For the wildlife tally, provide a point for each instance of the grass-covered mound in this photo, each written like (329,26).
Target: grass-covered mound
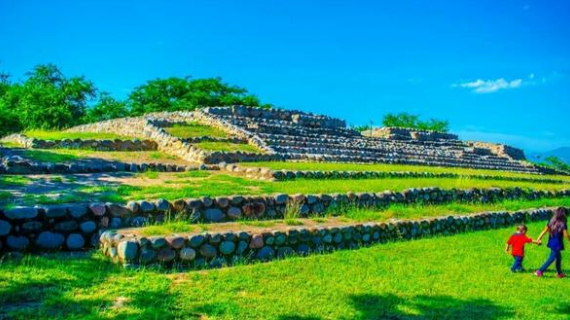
(460,277)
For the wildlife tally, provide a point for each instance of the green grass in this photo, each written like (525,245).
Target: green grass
(169,187)
(227,147)
(194,129)
(460,277)
(68,155)
(59,135)
(14,180)
(331,166)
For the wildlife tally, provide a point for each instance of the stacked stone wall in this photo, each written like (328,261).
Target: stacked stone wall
(396,133)
(65,227)
(227,248)
(501,150)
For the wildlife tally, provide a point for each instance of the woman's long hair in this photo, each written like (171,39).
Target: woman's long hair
(558,221)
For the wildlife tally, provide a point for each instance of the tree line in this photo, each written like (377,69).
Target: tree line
(48,99)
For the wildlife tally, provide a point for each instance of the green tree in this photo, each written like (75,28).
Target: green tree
(106,108)
(49,100)
(9,119)
(173,94)
(406,120)
(556,163)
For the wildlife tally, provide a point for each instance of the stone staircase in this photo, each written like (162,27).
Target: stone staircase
(295,135)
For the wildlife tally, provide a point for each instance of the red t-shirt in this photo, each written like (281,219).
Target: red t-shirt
(517,241)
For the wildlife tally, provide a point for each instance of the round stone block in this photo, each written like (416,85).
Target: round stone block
(75,241)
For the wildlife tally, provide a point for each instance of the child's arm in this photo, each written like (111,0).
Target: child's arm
(507,248)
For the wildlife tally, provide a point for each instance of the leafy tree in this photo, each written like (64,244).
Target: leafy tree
(9,119)
(49,100)
(173,94)
(556,163)
(106,108)
(406,120)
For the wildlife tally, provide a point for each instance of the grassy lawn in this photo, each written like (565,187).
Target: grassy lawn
(59,135)
(195,129)
(67,155)
(330,166)
(172,186)
(460,277)
(227,147)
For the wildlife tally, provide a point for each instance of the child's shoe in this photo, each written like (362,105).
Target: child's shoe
(538,273)
(561,275)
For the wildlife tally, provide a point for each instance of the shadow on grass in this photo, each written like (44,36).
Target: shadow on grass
(425,307)
(62,286)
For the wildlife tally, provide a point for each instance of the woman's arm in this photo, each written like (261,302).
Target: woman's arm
(544,231)
(566,235)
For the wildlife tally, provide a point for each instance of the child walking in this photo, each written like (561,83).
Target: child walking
(558,229)
(517,242)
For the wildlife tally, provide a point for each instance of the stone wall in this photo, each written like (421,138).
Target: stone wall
(92,144)
(297,117)
(396,133)
(74,226)
(501,150)
(19,165)
(288,175)
(222,249)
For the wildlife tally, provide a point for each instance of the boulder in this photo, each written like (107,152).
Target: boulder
(227,247)
(98,209)
(127,250)
(50,240)
(265,254)
(208,251)
(56,211)
(214,215)
(88,227)
(77,210)
(75,241)
(17,242)
(187,254)
(5,228)
(21,213)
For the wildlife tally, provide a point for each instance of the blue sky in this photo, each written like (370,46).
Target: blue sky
(497,70)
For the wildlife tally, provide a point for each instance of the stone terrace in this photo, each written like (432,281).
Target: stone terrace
(294,135)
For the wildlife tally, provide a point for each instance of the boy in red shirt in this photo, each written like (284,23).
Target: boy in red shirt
(517,242)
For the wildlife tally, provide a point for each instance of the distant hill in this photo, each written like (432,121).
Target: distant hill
(562,153)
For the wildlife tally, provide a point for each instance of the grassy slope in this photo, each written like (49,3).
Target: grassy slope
(329,166)
(67,155)
(59,135)
(227,147)
(194,129)
(174,186)
(460,277)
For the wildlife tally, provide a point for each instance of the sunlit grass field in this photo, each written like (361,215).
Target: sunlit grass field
(60,135)
(458,277)
(194,129)
(172,186)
